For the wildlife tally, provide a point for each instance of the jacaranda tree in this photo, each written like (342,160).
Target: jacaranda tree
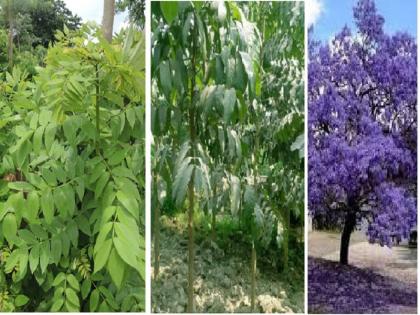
(362,130)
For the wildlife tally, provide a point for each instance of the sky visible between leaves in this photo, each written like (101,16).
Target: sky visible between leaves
(329,16)
(91,10)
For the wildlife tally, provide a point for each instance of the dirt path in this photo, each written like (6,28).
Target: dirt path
(397,265)
(399,261)
(324,243)
(222,280)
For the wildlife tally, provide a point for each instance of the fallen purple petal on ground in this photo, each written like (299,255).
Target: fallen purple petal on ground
(335,288)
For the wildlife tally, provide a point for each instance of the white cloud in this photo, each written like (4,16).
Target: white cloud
(313,11)
(92,11)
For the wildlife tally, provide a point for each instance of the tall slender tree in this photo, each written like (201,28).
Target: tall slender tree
(10,19)
(108,19)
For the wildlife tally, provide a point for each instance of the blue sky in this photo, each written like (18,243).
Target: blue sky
(91,10)
(329,16)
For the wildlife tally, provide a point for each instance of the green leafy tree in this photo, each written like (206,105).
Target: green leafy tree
(47,17)
(30,24)
(228,118)
(71,201)
(282,95)
(11,11)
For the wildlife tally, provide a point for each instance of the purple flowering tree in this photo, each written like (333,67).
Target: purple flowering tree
(362,130)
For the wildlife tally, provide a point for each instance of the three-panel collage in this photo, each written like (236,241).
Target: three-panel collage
(208,156)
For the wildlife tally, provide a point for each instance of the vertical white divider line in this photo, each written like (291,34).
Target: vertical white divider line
(417,109)
(148,136)
(306,212)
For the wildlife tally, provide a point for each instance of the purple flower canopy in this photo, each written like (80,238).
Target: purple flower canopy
(363,127)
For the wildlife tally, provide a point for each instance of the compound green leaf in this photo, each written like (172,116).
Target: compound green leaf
(44,256)
(34,258)
(37,140)
(21,300)
(94,300)
(100,184)
(71,296)
(59,279)
(126,252)
(169,10)
(57,305)
(32,207)
(21,186)
(86,286)
(55,249)
(71,279)
(129,202)
(165,78)
(182,178)
(101,256)
(116,268)
(47,205)
(10,227)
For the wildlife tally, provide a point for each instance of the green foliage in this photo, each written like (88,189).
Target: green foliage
(232,72)
(227,120)
(72,165)
(135,9)
(48,16)
(33,24)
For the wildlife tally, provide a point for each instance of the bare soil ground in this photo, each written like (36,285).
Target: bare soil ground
(222,279)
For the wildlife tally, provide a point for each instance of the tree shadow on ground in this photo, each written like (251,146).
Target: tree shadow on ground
(334,288)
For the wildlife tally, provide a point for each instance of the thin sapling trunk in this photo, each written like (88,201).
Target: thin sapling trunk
(156,229)
(253,275)
(190,305)
(191,121)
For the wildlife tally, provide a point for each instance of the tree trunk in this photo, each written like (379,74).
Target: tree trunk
(97,111)
(286,240)
(156,230)
(108,19)
(190,305)
(253,271)
(193,133)
(349,225)
(10,36)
